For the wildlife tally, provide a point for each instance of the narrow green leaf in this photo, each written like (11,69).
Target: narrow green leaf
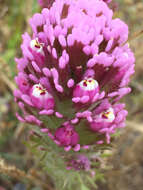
(83,187)
(92,181)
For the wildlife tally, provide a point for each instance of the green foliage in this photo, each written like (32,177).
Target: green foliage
(13,24)
(51,159)
(83,187)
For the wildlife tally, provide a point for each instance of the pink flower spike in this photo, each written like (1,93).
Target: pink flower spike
(75,67)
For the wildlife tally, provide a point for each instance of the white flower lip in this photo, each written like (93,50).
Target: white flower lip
(39,92)
(36,45)
(108,115)
(88,84)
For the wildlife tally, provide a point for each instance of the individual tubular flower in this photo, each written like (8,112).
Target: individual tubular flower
(74,70)
(41,98)
(80,162)
(85,91)
(67,136)
(107,118)
(22,82)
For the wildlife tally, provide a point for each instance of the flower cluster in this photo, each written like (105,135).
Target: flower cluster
(74,70)
(80,162)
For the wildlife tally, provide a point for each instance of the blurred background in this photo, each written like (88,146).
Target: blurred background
(18,169)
